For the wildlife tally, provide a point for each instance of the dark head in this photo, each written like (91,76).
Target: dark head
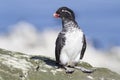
(64,13)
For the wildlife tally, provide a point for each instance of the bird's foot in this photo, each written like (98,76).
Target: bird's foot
(58,66)
(69,70)
(85,70)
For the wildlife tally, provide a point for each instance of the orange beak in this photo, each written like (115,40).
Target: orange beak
(56,15)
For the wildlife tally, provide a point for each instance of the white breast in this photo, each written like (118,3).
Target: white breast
(71,51)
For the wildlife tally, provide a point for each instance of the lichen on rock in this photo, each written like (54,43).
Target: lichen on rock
(18,66)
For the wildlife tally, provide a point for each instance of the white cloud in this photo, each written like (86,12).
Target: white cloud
(23,37)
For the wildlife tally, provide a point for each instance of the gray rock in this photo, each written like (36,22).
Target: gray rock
(18,66)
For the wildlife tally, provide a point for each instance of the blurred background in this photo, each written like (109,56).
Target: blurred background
(28,26)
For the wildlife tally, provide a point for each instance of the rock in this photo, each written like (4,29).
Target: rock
(19,66)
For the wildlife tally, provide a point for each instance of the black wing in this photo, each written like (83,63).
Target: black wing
(83,47)
(60,42)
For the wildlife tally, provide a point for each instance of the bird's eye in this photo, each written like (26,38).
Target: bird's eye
(63,10)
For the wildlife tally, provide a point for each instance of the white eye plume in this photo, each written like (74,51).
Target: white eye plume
(66,11)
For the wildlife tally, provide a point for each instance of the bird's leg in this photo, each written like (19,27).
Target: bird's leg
(85,70)
(69,69)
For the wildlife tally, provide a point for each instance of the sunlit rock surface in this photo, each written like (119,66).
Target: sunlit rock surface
(18,66)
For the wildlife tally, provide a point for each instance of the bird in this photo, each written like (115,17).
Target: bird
(70,44)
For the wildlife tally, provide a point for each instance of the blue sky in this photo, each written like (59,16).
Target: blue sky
(99,19)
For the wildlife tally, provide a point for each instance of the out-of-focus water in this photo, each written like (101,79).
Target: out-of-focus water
(100,20)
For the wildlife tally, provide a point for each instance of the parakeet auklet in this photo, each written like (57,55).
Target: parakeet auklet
(71,41)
